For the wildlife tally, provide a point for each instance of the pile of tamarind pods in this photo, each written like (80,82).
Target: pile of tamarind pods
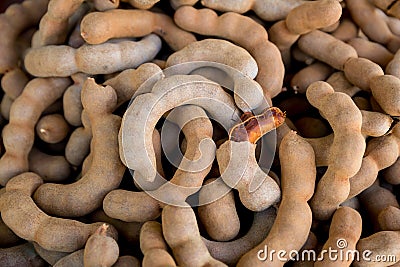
(290,139)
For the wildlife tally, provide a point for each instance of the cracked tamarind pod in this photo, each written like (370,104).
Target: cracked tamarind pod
(143,206)
(346,152)
(91,59)
(96,27)
(153,246)
(182,234)
(16,19)
(238,165)
(235,27)
(344,233)
(106,169)
(18,134)
(294,218)
(51,233)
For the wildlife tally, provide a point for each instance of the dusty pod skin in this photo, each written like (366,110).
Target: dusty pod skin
(220,217)
(389,219)
(153,246)
(78,145)
(231,251)
(355,68)
(18,134)
(14,21)
(95,27)
(326,48)
(196,164)
(182,234)
(373,51)
(72,104)
(106,170)
(386,91)
(269,10)
(317,71)
(375,200)
(363,12)
(100,249)
(51,233)
(91,59)
(313,15)
(235,27)
(56,169)
(380,243)
(346,152)
(345,226)
(138,155)
(294,218)
(52,128)
(22,255)
(12,83)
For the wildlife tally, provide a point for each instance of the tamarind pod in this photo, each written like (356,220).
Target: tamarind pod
(317,71)
(373,51)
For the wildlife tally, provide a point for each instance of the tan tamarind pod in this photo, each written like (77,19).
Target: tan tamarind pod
(374,200)
(373,51)
(317,71)
(298,180)
(14,21)
(56,169)
(128,81)
(380,243)
(392,173)
(345,156)
(78,145)
(13,82)
(21,255)
(344,233)
(231,251)
(269,10)
(153,246)
(347,30)
(72,104)
(355,68)
(234,27)
(52,128)
(95,27)
(51,233)
(100,249)
(18,135)
(374,161)
(91,59)
(182,234)
(326,48)
(375,124)
(73,259)
(340,83)
(386,91)
(313,15)
(106,170)
(389,219)
(220,217)
(363,12)
(50,256)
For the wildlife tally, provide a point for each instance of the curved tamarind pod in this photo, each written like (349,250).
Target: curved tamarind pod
(167,94)
(95,27)
(326,48)
(13,22)
(34,225)
(182,234)
(56,169)
(346,225)
(345,156)
(153,246)
(196,164)
(293,221)
(18,135)
(235,28)
(106,169)
(91,59)
(231,251)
